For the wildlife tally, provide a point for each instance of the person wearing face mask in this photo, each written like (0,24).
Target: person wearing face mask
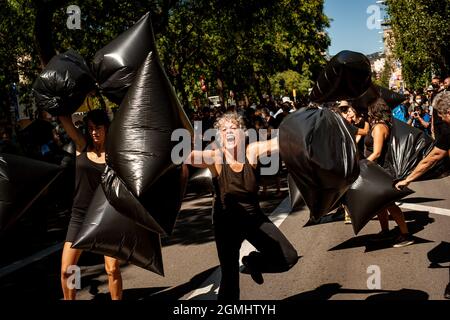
(446,86)
(236,212)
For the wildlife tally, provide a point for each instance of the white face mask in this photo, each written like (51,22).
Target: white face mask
(418,101)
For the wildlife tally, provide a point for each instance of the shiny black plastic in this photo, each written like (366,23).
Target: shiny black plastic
(107,232)
(157,208)
(392,98)
(294,195)
(201,180)
(116,64)
(321,155)
(63,85)
(407,147)
(372,192)
(139,142)
(346,76)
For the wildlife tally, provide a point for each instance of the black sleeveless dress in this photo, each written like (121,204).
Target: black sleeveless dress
(368,145)
(237,216)
(87,179)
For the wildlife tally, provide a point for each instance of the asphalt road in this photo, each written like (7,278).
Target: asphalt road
(334,263)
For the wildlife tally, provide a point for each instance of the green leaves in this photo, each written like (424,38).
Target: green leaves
(240,44)
(422,38)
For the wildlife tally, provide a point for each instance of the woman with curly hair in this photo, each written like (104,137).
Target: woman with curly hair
(236,212)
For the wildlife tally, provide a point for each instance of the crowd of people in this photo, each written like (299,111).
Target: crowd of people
(371,130)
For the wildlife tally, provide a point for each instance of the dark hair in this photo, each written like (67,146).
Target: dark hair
(379,111)
(98,117)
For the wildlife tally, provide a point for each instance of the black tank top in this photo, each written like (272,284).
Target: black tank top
(233,188)
(368,144)
(87,179)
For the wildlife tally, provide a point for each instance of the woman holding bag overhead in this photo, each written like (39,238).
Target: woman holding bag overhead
(90,164)
(376,146)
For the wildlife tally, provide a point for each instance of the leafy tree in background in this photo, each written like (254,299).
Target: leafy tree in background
(422,38)
(236,45)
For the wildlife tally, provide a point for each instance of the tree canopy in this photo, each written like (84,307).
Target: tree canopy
(422,38)
(235,45)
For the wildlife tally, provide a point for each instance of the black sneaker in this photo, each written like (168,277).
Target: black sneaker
(447,292)
(403,240)
(255,274)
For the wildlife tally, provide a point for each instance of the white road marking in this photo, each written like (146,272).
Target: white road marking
(419,207)
(209,288)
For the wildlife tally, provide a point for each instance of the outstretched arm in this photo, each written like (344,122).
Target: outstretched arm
(76,136)
(201,159)
(429,161)
(261,148)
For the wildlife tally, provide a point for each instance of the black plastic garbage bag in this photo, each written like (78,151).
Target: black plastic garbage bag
(22,181)
(294,194)
(392,98)
(407,147)
(139,142)
(63,85)
(158,208)
(116,64)
(201,181)
(107,232)
(321,156)
(346,76)
(372,192)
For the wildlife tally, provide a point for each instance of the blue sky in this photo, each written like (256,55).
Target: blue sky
(349,29)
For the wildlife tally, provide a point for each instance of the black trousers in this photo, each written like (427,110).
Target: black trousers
(241,222)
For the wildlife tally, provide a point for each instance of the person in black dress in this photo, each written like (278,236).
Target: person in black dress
(90,164)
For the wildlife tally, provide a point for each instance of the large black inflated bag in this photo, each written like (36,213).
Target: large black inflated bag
(126,203)
(158,207)
(372,192)
(107,232)
(139,140)
(346,76)
(392,98)
(21,181)
(116,64)
(407,147)
(63,85)
(294,195)
(201,181)
(321,156)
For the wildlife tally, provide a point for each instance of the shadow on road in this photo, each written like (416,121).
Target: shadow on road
(327,291)
(416,221)
(420,200)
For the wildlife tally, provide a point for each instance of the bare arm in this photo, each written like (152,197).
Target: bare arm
(76,136)
(379,134)
(201,159)
(423,122)
(429,161)
(261,148)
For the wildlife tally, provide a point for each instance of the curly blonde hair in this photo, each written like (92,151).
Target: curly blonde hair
(230,117)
